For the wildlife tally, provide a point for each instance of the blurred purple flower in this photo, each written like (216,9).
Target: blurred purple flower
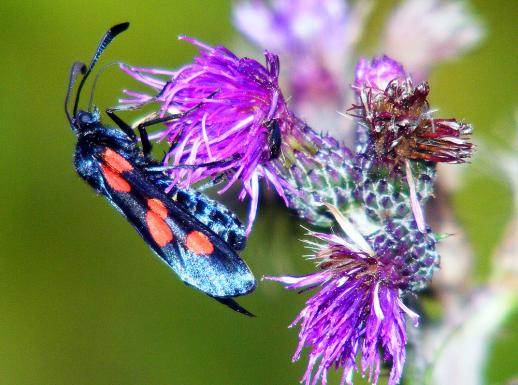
(237,99)
(310,33)
(377,73)
(422,33)
(295,27)
(314,39)
(358,309)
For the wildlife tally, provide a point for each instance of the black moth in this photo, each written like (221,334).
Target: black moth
(196,236)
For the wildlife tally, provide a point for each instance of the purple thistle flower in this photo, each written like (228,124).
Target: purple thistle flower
(237,100)
(231,103)
(358,309)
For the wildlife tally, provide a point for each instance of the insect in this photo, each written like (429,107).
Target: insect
(274,138)
(196,236)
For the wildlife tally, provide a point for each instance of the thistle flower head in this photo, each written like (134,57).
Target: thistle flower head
(398,122)
(232,103)
(358,309)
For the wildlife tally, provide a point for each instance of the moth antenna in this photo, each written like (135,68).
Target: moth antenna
(77,68)
(94,85)
(107,38)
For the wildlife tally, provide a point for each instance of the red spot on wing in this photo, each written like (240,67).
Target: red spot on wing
(199,243)
(158,207)
(158,228)
(116,161)
(115,180)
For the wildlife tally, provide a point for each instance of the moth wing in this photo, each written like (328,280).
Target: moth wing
(201,258)
(222,273)
(210,212)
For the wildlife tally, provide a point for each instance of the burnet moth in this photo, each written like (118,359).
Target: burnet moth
(196,236)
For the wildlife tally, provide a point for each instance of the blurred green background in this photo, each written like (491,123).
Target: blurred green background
(82,298)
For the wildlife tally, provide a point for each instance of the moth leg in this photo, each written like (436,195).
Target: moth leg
(222,162)
(169,117)
(141,127)
(128,130)
(150,120)
(213,182)
(121,123)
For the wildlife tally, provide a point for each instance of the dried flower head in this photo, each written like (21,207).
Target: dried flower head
(238,102)
(358,309)
(398,121)
(396,127)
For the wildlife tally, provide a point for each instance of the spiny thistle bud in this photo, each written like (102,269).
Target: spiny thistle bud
(321,175)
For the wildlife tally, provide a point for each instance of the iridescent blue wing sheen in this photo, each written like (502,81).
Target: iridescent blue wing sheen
(219,273)
(210,212)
